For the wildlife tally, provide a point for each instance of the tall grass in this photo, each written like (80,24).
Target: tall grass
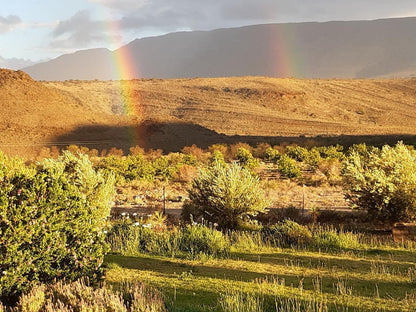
(195,240)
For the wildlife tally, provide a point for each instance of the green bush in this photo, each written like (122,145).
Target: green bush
(51,222)
(383,182)
(138,168)
(272,155)
(216,158)
(288,167)
(313,158)
(297,153)
(114,165)
(331,239)
(246,159)
(335,152)
(198,239)
(226,195)
(164,169)
(287,233)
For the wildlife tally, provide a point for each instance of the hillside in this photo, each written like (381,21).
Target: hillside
(171,114)
(33,114)
(203,111)
(350,49)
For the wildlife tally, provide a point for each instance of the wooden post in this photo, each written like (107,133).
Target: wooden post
(303,200)
(164,199)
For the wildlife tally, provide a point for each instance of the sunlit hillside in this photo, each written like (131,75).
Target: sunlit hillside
(170,114)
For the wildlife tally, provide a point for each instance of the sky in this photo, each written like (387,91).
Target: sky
(43,29)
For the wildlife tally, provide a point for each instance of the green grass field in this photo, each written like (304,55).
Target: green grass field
(278,280)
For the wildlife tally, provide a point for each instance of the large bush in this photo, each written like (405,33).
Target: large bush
(51,222)
(226,195)
(383,181)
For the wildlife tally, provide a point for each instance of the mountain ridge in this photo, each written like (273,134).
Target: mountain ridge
(335,49)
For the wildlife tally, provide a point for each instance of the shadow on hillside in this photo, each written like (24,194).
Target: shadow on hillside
(172,137)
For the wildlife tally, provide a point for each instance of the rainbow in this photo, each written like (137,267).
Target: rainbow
(125,71)
(286,54)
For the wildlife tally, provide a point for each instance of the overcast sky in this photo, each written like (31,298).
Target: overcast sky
(42,29)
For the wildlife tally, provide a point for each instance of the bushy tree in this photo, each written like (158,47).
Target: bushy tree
(383,181)
(226,195)
(51,222)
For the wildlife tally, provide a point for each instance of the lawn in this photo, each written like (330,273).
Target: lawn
(361,280)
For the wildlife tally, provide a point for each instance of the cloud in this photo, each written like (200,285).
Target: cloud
(15,63)
(78,31)
(202,14)
(122,5)
(9,23)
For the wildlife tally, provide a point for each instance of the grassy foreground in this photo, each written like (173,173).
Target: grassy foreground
(278,280)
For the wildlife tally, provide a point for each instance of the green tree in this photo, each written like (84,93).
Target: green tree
(383,181)
(226,195)
(51,222)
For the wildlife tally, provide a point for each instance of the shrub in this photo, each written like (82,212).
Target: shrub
(80,296)
(313,159)
(246,159)
(260,150)
(272,155)
(383,182)
(201,240)
(225,195)
(164,169)
(138,168)
(216,158)
(331,239)
(114,165)
(288,167)
(287,233)
(51,222)
(297,153)
(335,152)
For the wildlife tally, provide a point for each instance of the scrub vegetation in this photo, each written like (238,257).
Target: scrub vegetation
(73,238)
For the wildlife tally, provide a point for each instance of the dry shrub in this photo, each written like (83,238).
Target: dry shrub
(186,173)
(136,150)
(232,154)
(115,152)
(194,150)
(153,154)
(331,168)
(260,150)
(222,148)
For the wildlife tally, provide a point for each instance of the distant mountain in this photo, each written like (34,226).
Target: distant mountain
(14,63)
(355,49)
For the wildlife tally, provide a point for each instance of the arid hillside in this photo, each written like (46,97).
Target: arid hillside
(170,114)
